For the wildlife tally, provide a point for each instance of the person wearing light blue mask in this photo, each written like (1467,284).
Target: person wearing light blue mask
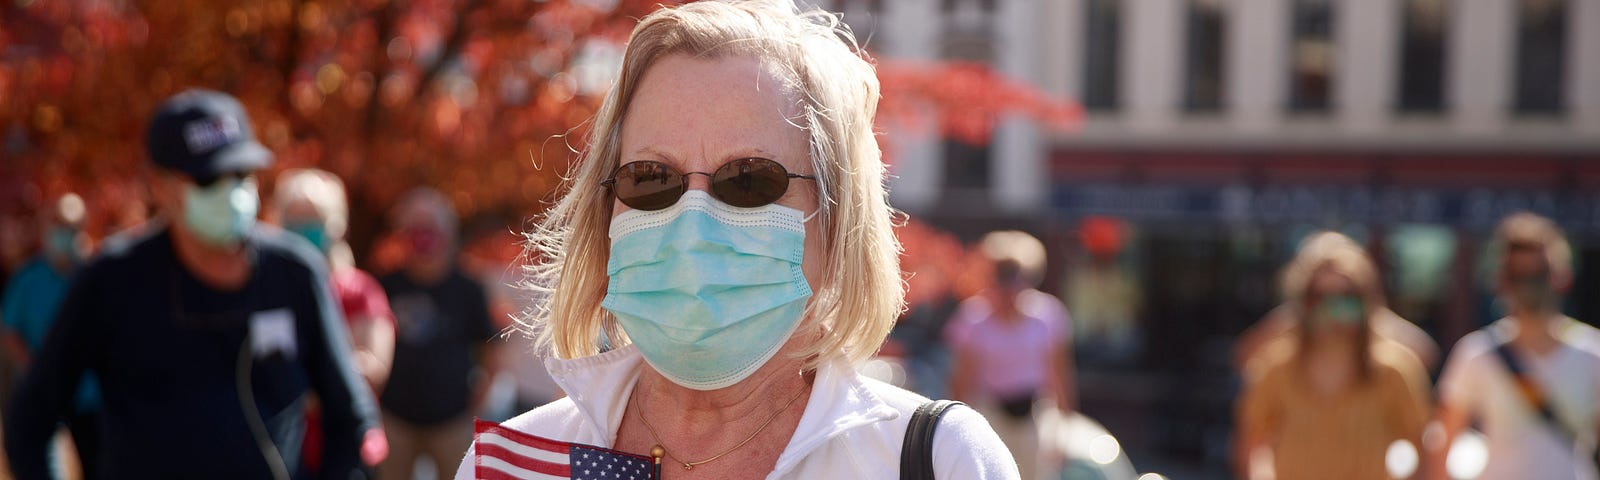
(206,330)
(31,300)
(723,259)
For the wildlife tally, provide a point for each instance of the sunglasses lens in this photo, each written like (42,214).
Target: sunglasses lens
(750,182)
(647,185)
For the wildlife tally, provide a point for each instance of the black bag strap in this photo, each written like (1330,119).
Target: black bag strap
(916,455)
(1529,389)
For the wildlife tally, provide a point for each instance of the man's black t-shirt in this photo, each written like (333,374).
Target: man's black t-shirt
(169,352)
(437,330)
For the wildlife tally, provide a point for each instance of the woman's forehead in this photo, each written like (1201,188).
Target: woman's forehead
(730,105)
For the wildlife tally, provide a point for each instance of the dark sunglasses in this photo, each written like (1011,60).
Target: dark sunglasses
(745,182)
(207,182)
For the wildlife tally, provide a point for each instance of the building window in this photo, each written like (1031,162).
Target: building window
(1422,43)
(1202,86)
(1541,51)
(985,5)
(1102,45)
(1313,56)
(974,45)
(966,165)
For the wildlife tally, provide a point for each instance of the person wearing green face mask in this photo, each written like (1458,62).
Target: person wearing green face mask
(1281,322)
(1328,401)
(206,330)
(1531,379)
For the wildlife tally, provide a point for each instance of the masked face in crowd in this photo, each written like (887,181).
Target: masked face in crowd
(301,218)
(1333,305)
(427,242)
(709,273)
(221,212)
(218,212)
(62,242)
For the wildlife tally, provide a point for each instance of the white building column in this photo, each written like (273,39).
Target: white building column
(1367,45)
(912,28)
(1583,64)
(1257,63)
(1152,62)
(1019,176)
(1481,50)
(1062,24)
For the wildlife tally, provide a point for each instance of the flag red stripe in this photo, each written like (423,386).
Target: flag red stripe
(522,438)
(547,468)
(492,474)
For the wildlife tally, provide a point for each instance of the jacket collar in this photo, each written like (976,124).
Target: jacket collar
(599,386)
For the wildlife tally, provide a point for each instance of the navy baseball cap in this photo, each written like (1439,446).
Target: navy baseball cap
(205,134)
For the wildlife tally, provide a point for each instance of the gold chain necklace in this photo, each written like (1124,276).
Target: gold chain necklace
(657,451)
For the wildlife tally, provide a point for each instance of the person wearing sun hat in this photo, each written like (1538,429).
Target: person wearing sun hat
(207,330)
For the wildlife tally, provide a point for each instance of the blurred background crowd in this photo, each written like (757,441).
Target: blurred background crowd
(1157,185)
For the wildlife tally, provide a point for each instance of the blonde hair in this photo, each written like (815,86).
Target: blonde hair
(1331,250)
(325,192)
(861,291)
(1019,247)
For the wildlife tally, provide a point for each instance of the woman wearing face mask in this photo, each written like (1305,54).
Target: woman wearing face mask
(1329,402)
(1280,322)
(726,241)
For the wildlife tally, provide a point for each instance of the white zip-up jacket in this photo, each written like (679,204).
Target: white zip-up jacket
(852,428)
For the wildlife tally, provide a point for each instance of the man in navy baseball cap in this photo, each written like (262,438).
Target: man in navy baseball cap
(205,134)
(207,152)
(207,331)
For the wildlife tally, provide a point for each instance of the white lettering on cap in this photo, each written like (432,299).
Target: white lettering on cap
(207,134)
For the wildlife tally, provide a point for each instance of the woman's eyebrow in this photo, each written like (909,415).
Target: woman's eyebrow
(648,152)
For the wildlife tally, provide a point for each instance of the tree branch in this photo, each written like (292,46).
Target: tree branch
(452,47)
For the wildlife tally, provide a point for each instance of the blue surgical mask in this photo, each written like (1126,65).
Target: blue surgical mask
(707,291)
(313,232)
(62,242)
(222,213)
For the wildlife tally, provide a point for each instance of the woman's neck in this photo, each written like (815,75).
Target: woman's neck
(1333,347)
(776,381)
(748,423)
(1330,362)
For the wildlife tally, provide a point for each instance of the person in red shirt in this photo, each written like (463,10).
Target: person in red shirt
(312,204)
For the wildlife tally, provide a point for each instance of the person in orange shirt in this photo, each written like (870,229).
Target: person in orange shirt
(1329,401)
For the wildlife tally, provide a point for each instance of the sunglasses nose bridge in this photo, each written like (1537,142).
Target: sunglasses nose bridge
(697,181)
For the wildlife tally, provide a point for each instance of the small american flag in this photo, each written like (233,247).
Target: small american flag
(502,454)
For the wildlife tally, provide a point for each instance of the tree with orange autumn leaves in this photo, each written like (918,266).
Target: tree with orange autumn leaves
(483,99)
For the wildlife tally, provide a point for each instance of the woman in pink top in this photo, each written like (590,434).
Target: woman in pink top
(1011,346)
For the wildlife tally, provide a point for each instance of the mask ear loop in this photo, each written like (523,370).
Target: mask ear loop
(807,218)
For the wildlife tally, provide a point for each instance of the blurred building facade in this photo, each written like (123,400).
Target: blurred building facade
(1222,131)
